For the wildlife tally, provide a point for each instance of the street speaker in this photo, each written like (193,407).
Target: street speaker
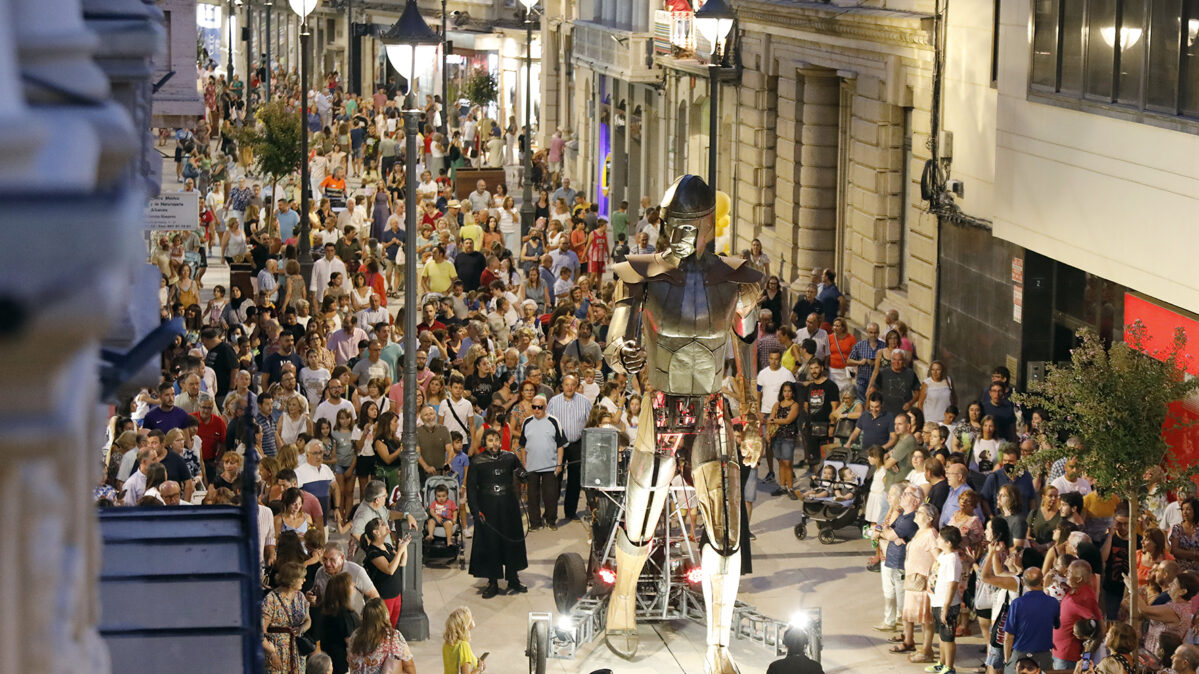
(601,458)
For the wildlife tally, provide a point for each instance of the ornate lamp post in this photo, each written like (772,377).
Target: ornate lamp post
(407,41)
(527,209)
(266,82)
(714,21)
(303,8)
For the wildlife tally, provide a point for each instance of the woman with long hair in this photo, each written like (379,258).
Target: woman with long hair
(491,234)
(966,431)
(387,449)
(538,290)
(783,428)
(919,554)
(293,517)
(376,644)
(456,654)
(336,621)
(285,617)
(383,561)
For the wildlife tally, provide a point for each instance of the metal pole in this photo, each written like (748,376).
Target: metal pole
(249,32)
(345,77)
(713,113)
(527,210)
(445,87)
(413,622)
(229,46)
(305,236)
(266,82)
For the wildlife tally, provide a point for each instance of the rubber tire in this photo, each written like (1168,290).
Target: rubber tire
(538,648)
(801,530)
(570,581)
(827,537)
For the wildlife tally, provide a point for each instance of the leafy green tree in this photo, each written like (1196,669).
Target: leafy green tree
(481,88)
(275,140)
(1116,401)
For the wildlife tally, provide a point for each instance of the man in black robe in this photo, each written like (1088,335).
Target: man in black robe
(499,544)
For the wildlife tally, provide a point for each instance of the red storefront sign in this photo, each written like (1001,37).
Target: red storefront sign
(1160,324)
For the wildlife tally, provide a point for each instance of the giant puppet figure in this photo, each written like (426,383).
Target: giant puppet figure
(676,315)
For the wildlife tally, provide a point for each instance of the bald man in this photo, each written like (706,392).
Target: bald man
(1030,622)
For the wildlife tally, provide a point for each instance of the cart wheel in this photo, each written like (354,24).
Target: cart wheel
(801,530)
(827,537)
(539,646)
(570,581)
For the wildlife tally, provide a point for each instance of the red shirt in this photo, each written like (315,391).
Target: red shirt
(212,434)
(1078,605)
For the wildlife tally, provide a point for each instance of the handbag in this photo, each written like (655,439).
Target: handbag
(850,371)
(915,582)
(818,429)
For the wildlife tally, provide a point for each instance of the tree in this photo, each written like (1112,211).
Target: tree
(275,141)
(481,88)
(1116,401)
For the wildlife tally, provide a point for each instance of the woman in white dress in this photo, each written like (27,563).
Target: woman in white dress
(936,393)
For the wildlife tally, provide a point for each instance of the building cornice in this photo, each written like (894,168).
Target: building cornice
(907,29)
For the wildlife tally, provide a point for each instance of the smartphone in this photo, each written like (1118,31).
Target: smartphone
(484,656)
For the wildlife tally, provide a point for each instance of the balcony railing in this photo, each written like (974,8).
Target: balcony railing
(622,53)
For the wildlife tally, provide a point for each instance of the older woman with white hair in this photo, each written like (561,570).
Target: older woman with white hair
(316,478)
(919,553)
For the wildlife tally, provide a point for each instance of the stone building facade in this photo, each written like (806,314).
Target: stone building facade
(823,125)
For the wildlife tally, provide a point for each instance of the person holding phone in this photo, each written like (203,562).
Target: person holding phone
(456,653)
(383,562)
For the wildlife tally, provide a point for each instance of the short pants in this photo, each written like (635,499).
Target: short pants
(947,628)
(783,448)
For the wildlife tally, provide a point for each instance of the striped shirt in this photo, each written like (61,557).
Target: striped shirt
(572,414)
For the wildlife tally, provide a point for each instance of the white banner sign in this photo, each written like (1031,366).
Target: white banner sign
(173,211)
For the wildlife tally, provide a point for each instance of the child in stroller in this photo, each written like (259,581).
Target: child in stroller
(441,513)
(441,497)
(836,497)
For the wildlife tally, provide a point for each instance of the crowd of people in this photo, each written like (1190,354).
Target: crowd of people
(965,532)
(511,332)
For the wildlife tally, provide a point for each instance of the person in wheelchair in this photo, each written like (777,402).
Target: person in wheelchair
(442,512)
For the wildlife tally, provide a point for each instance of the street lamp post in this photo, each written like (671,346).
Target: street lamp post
(445,86)
(266,82)
(229,46)
(714,21)
(527,209)
(405,42)
(303,8)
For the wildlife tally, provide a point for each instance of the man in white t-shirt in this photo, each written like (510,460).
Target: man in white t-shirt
(1072,480)
(335,403)
(458,414)
(771,379)
(812,330)
(314,477)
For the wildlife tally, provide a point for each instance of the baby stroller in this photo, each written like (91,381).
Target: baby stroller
(442,552)
(837,495)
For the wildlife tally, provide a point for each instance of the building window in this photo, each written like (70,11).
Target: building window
(1137,58)
(995,44)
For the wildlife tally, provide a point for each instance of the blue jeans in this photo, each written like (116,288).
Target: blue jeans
(1064,664)
(783,448)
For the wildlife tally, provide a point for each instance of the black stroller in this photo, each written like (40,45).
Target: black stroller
(442,552)
(837,497)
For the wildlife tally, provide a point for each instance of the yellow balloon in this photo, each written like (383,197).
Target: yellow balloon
(723,205)
(722,223)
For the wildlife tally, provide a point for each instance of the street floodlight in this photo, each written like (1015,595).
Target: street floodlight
(714,21)
(303,8)
(409,35)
